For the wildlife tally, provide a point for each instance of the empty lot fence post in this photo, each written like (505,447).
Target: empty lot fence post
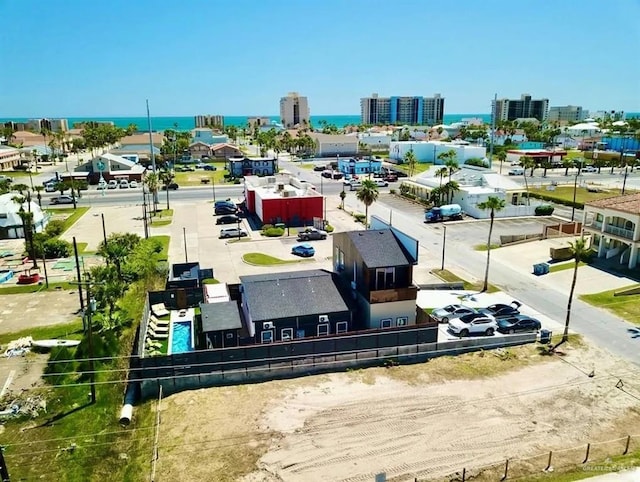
(506,470)
(464,474)
(548,467)
(586,457)
(626,446)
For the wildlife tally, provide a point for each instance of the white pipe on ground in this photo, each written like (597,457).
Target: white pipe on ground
(126,414)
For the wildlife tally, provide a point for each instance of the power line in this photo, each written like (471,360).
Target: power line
(87,435)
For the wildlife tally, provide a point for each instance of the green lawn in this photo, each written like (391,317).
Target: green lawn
(420,167)
(627,307)
(160,223)
(449,277)
(554,268)
(582,195)
(73,214)
(193,178)
(71,330)
(18,289)
(260,259)
(15,173)
(164,240)
(483,247)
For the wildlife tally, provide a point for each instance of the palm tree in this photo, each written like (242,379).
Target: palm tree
(449,159)
(567,163)
(38,190)
(410,159)
(527,163)
(494,204)
(27,224)
(579,251)
(153,182)
(502,156)
(441,173)
(449,189)
(167,177)
(367,194)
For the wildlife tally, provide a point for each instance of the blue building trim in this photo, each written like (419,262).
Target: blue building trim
(393,110)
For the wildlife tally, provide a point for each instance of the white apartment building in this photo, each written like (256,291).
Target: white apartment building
(615,229)
(409,110)
(525,107)
(294,110)
(209,121)
(428,151)
(566,114)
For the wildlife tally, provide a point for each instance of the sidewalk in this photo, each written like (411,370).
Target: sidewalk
(632,475)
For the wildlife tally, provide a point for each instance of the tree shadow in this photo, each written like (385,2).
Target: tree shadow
(60,416)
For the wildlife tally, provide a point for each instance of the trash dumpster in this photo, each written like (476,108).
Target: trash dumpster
(540,268)
(545,336)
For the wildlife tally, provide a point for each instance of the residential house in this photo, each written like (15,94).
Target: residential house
(187,275)
(615,228)
(140,144)
(283,199)
(252,166)
(10,221)
(225,151)
(428,151)
(207,136)
(220,325)
(377,267)
(298,304)
(109,166)
(331,145)
(199,149)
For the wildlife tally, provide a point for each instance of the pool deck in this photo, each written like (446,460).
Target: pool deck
(175,318)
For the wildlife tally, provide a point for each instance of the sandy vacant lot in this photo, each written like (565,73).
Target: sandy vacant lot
(413,421)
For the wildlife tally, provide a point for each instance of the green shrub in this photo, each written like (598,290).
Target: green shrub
(266,226)
(392,191)
(359,217)
(544,210)
(556,200)
(273,232)
(56,248)
(328,228)
(236,181)
(476,161)
(55,227)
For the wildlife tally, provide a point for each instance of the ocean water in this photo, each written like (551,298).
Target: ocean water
(186,123)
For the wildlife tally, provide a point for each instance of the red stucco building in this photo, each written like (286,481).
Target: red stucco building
(283,199)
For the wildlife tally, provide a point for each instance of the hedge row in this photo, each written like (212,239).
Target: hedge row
(556,200)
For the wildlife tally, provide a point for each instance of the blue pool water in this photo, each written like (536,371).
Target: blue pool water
(181,338)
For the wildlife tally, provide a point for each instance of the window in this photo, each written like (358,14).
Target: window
(402,321)
(286,334)
(385,278)
(267,336)
(323,329)
(341,327)
(386,323)
(229,336)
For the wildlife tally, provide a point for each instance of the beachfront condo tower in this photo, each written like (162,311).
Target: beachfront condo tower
(523,108)
(294,110)
(402,110)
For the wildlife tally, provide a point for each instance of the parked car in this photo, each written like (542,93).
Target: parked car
(327,173)
(589,169)
(225,210)
(209,167)
(381,182)
(226,202)
(233,233)
(123,184)
(101,186)
(353,185)
(518,324)
(50,187)
(500,310)
(304,250)
(473,325)
(133,184)
(390,177)
(337,175)
(516,171)
(399,173)
(450,312)
(113,184)
(319,168)
(64,199)
(173,186)
(228,219)
(312,233)
(52,180)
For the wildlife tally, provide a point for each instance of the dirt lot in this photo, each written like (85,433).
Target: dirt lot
(422,421)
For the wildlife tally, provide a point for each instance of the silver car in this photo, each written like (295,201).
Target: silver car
(451,312)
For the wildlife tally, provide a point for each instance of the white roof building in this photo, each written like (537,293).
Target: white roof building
(583,129)
(10,221)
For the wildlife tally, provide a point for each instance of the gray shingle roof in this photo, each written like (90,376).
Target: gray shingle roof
(298,293)
(220,316)
(379,248)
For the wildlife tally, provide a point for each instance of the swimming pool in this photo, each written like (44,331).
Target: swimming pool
(181,337)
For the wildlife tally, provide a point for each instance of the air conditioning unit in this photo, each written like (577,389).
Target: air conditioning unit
(323,319)
(267,326)
(280,187)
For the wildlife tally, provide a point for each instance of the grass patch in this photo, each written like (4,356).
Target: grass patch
(483,247)
(260,259)
(419,167)
(554,268)
(74,215)
(164,241)
(17,173)
(161,222)
(449,277)
(565,193)
(71,330)
(34,288)
(163,213)
(626,307)
(193,178)
(210,281)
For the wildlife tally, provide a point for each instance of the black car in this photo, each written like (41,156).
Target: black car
(173,186)
(225,210)
(518,324)
(228,219)
(319,168)
(209,168)
(500,310)
(226,202)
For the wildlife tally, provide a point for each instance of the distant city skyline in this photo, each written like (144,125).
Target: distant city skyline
(97,59)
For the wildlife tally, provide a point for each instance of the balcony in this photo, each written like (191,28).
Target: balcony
(394,294)
(623,233)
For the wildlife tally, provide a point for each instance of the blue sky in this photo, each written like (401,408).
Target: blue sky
(238,57)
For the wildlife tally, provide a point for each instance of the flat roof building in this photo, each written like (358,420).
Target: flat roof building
(411,110)
(525,107)
(566,114)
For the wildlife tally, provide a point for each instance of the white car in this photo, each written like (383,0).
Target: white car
(233,233)
(124,184)
(133,184)
(113,184)
(589,169)
(50,187)
(518,171)
(474,324)
(381,182)
(102,186)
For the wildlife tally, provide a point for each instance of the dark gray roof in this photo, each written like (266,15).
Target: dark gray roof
(297,293)
(379,248)
(220,316)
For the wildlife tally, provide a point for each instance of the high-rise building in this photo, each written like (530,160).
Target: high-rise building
(523,108)
(411,110)
(294,110)
(55,125)
(209,121)
(566,114)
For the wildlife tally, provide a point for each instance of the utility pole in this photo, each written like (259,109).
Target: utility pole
(444,244)
(91,307)
(493,127)
(75,251)
(4,471)
(624,179)
(184,235)
(104,231)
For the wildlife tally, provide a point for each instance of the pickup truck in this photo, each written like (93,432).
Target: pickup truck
(311,233)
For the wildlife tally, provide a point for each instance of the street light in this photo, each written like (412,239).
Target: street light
(444,244)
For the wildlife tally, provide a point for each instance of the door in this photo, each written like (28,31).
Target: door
(181,299)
